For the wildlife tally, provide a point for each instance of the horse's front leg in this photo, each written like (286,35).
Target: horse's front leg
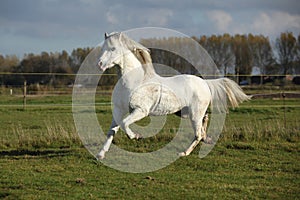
(134,116)
(118,115)
(110,136)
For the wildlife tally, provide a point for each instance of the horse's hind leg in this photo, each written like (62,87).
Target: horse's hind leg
(204,127)
(191,148)
(206,139)
(134,116)
(199,122)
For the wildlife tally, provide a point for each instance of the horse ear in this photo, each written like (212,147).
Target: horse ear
(134,50)
(105,35)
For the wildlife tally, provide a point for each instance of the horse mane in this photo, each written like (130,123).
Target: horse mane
(141,53)
(145,58)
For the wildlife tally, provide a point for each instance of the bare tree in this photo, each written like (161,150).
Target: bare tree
(297,63)
(243,56)
(262,53)
(286,46)
(220,49)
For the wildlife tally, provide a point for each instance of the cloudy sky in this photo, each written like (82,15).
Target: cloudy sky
(33,26)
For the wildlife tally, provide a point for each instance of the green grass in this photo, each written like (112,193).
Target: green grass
(41,157)
(226,173)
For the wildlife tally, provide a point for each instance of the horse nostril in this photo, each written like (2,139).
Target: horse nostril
(100,63)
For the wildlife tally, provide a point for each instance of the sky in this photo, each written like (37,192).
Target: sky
(34,26)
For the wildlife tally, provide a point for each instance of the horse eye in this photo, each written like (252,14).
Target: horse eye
(112,49)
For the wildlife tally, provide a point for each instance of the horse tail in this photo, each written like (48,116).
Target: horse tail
(223,89)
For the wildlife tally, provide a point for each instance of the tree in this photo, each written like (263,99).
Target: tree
(36,64)
(286,46)
(297,63)
(262,54)
(62,64)
(77,57)
(220,49)
(243,56)
(261,51)
(7,64)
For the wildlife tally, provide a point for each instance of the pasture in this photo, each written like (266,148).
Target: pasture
(41,157)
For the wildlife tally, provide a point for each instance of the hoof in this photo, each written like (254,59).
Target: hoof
(182,154)
(101,155)
(138,136)
(208,140)
(135,136)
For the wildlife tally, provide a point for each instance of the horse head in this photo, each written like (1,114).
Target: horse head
(116,45)
(111,52)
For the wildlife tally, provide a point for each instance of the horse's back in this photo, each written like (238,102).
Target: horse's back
(188,86)
(161,96)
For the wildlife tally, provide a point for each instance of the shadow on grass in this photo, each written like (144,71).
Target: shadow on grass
(36,153)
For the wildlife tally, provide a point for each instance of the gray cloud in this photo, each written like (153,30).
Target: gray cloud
(71,23)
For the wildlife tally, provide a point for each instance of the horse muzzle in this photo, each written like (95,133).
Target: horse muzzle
(100,63)
(101,66)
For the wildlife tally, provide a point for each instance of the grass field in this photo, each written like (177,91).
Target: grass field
(257,155)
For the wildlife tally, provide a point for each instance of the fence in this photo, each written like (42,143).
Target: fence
(33,96)
(279,89)
(55,85)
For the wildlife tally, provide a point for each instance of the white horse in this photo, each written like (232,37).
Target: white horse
(146,93)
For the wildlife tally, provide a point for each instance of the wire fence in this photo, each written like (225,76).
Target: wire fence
(57,87)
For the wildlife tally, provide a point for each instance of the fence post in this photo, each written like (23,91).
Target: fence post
(24,95)
(284,109)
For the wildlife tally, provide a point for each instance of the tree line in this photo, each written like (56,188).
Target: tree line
(41,68)
(233,55)
(238,54)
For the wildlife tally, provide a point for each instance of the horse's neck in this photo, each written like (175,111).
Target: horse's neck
(149,71)
(131,72)
(129,63)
